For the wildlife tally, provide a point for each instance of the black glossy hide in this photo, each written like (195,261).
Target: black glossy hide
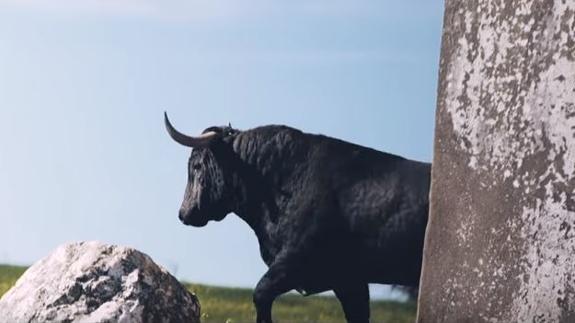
(328,214)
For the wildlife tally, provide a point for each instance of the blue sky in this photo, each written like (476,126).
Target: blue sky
(83,85)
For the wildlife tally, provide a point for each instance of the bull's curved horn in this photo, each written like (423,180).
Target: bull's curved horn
(194,142)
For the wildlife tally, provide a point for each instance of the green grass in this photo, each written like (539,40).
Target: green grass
(234,305)
(8,276)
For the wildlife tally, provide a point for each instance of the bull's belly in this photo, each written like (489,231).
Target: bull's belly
(393,271)
(318,285)
(312,290)
(378,268)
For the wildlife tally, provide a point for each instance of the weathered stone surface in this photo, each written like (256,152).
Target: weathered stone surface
(94,282)
(500,243)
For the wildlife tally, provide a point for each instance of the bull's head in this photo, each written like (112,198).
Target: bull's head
(209,190)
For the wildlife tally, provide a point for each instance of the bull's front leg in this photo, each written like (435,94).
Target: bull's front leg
(276,281)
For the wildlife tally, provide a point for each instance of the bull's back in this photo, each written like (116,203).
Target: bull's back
(383,201)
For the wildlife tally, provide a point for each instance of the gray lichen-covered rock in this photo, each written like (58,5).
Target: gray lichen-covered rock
(500,241)
(95,282)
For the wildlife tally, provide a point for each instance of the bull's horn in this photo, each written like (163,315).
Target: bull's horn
(194,142)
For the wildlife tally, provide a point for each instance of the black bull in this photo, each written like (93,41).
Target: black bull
(328,214)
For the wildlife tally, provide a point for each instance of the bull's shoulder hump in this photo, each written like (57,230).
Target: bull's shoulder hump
(270,142)
(271,130)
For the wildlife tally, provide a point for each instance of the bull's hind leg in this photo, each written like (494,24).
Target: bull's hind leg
(355,302)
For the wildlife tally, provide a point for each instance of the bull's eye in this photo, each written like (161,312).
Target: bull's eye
(196,166)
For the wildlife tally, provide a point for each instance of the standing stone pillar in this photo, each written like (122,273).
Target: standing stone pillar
(500,243)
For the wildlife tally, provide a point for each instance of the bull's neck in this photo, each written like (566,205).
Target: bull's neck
(257,209)
(257,183)
(255,202)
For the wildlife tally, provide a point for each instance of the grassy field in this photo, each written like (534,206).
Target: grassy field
(8,276)
(234,305)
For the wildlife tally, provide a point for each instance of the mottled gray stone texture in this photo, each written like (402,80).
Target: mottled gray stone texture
(95,282)
(500,243)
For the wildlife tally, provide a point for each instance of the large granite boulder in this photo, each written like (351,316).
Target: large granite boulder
(95,282)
